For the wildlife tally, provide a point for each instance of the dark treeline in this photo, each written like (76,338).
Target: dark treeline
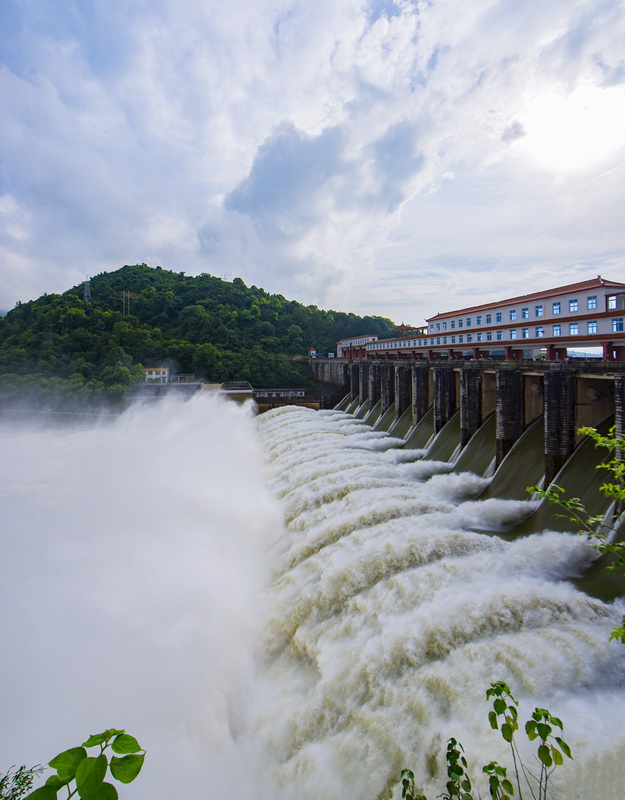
(61,348)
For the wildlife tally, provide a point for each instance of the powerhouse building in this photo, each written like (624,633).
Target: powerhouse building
(548,323)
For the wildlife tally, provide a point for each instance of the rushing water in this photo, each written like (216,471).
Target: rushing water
(286,607)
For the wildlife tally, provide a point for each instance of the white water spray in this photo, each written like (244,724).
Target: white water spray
(132,589)
(298,627)
(391,618)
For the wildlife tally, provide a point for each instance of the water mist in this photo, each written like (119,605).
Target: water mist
(132,589)
(286,607)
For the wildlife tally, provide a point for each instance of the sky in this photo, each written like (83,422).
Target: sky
(391,157)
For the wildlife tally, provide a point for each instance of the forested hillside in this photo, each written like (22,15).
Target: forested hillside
(65,347)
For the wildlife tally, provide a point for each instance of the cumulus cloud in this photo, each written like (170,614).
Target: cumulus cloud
(308,148)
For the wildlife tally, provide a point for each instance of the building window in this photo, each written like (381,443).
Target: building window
(489,336)
(498,317)
(468,322)
(452,324)
(444,340)
(617,325)
(499,336)
(611,302)
(479,337)
(525,313)
(460,339)
(573,305)
(538,311)
(592,301)
(431,341)
(540,331)
(453,340)
(469,337)
(513,333)
(438,326)
(488,319)
(513,314)
(525,333)
(438,340)
(573,328)
(593,327)
(556,308)
(444,326)
(460,323)
(557,330)
(478,320)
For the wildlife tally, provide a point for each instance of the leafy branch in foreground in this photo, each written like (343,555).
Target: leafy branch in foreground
(16,782)
(551,751)
(600,531)
(83,775)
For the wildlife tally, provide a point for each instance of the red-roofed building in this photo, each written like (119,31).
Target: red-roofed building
(551,322)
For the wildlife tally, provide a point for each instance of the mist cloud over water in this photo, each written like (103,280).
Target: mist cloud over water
(283,607)
(133,570)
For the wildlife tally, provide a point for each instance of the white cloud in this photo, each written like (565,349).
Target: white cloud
(309,148)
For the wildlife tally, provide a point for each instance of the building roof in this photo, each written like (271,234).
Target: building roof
(582,286)
(358,336)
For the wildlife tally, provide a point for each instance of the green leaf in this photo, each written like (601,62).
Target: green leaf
(530,730)
(125,744)
(564,747)
(507,786)
(96,738)
(557,756)
(56,782)
(90,775)
(544,755)
(66,763)
(107,792)
(492,718)
(506,732)
(43,793)
(100,738)
(500,705)
(544,731)
(127,768)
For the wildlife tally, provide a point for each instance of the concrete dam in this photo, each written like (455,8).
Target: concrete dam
(476,415)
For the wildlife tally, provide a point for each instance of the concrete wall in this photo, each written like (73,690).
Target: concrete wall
(569,395)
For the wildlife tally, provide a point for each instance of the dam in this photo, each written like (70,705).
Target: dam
(417,401)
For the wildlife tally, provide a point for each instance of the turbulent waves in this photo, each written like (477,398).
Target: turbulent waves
(391,618)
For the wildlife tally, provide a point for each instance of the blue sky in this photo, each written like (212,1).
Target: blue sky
(396,158)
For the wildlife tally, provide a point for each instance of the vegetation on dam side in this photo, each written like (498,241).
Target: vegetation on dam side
(63,348)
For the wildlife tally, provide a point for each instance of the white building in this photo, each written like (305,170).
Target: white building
(580,315)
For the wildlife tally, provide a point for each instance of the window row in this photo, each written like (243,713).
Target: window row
(592,327)
(525,312)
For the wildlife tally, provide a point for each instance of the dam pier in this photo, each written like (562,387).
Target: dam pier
(570,394)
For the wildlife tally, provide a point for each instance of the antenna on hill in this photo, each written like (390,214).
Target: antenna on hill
(126,295)
(86,293)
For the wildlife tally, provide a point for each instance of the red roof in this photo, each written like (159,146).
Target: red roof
(593,283)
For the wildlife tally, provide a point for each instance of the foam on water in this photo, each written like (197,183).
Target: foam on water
(391,618)
(287,608)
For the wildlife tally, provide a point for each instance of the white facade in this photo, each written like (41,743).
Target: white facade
(157,374)
(586,314)
(344,347)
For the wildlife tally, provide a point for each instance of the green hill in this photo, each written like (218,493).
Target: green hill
(64,348)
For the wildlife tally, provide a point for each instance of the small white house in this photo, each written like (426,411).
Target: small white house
(157,374)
